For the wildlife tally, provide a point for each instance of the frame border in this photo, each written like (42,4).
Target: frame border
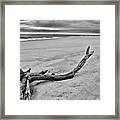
(60,2)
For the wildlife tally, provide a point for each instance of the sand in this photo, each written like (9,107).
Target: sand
(61,55)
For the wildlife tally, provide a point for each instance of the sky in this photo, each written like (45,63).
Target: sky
(40,26)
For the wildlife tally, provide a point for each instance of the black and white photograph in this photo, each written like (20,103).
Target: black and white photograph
(60,55)
(59,59)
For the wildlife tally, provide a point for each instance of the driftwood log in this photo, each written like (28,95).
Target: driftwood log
(26,77)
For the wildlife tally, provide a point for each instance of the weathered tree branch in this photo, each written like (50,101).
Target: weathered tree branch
(28,77)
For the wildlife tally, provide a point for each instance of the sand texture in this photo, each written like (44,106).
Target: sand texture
(60,55)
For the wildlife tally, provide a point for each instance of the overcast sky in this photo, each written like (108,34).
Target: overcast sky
(61,26)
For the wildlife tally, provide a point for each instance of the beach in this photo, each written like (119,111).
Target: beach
(61,55)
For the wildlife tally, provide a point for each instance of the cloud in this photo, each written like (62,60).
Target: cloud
(60,26)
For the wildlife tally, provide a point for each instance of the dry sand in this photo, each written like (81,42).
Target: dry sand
(61,55)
